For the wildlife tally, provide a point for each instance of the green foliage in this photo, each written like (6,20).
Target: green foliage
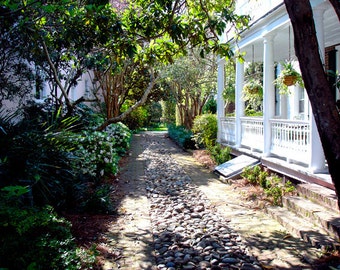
(137,118)
(75,37)
(181,136)
(273,186)
(252,91)
(33,158)
(61,166)
(120,135)
(192,81)
(155,114)
(91,152)
(219,154)
(210,106)
(288,70)
(253,113)
(205,130)
(169,111)
(35,238)
(229,90)
(98,200)
(45,162)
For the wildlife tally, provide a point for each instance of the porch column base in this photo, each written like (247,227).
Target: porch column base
(318,170)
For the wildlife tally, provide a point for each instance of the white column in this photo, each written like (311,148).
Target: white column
(239,103)
(317,157)
(268,91)
(283,107)
(220,101)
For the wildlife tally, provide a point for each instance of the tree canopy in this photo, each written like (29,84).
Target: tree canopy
(68,38)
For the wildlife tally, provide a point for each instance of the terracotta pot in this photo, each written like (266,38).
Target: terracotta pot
(289,80)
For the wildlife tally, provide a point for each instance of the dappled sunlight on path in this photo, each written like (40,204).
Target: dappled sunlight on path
(174,213)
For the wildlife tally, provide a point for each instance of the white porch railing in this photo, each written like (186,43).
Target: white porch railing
(228,130)
(252,133)
(289,139)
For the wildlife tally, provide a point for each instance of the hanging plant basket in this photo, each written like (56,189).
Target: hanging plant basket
(253,87)
(288,77)
(290,80)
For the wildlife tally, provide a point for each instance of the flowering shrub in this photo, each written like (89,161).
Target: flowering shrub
(92,152)
(122,136)
(97,153)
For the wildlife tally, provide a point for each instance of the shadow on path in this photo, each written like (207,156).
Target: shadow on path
(132,233)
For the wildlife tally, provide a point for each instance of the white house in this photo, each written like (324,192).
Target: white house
(285,138)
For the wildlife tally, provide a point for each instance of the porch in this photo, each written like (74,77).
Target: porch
(285,138)
(289,144)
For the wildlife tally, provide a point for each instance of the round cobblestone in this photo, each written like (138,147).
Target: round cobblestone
(187,230)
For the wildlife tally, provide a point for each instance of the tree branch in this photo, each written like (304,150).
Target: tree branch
(135,106)
(55,75)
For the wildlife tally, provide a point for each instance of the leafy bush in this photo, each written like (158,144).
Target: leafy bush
(61,166)
(35,238)
(90,152)
(33,159)
(138,118)
(181,136)
(96,153)
(210,106)
(219,154)
(98,200)
(122,137)
(272,184)
(205,130)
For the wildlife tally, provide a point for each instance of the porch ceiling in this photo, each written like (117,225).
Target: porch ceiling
(284,39)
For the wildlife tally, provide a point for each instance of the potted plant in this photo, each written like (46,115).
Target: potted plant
(253,95)
(288,77)
(253,87)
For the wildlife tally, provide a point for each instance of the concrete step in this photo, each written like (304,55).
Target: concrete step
(298,227)
(320,195)
(319,215)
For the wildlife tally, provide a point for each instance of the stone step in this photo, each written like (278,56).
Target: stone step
(320,195)
(314,213)
(298,227)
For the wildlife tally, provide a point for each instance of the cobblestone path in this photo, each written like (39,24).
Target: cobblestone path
(168,221)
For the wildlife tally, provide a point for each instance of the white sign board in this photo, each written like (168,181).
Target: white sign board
(235,166)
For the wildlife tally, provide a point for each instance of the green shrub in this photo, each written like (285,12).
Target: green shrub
(181,136)
(58,164)
(121,135)
(205,130)
(35,238)
(138,118)
(34,159)
(251,174)
(98,200)
(210,106)
(219,154)
(273,186)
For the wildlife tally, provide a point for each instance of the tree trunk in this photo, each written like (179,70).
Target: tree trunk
(140,102)
(316,84)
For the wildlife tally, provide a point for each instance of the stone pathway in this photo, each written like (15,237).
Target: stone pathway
(176,215)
